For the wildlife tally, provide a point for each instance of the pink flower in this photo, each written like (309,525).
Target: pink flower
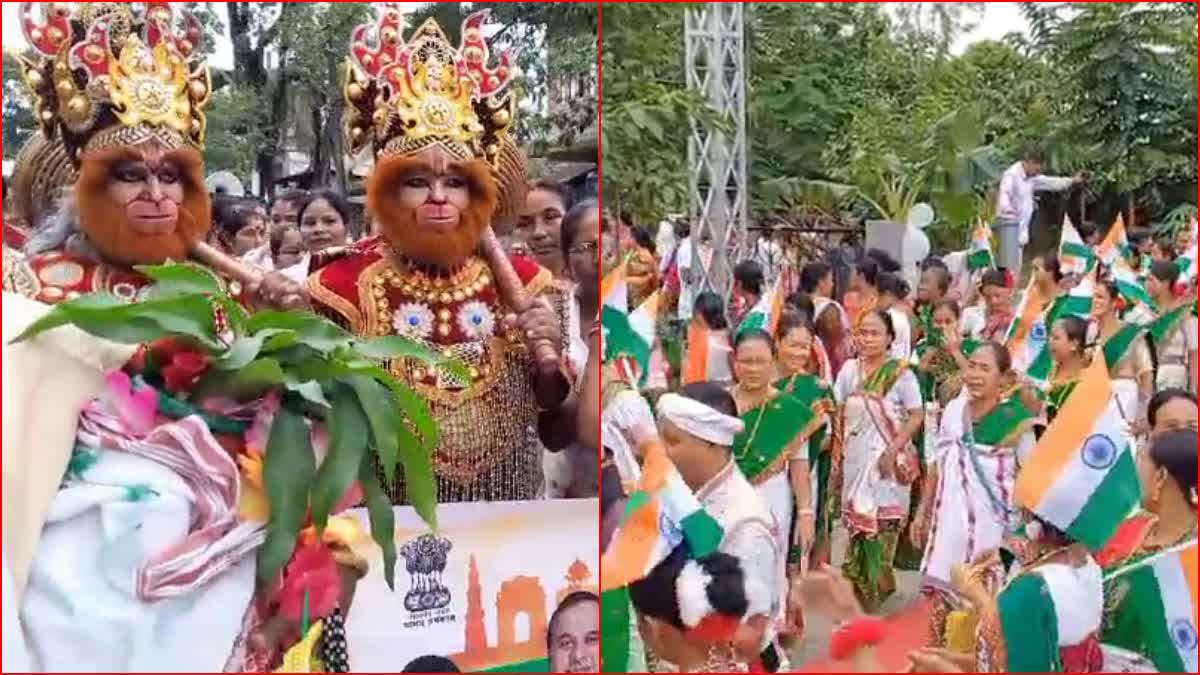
(312,571)
(137,410)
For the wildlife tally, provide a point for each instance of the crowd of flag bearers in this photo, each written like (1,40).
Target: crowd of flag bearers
(1031,453)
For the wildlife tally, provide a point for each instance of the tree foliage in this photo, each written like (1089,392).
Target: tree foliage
(19,123)
(865,107)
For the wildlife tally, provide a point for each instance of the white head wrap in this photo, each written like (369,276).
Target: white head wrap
(698,419)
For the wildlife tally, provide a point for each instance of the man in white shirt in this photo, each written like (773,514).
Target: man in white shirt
(768,253)
(1015,204)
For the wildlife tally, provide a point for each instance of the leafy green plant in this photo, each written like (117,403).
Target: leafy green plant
(321,374)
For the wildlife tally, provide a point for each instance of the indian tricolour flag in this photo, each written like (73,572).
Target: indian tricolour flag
(659,515)
(614,303)
(1081,475)
(1027,336)
(631,347)
(1115,244)
(765,314)
(1162,590)
(1074,257)
(1129,284)
(979,255)
(1187,265)
(1031,355)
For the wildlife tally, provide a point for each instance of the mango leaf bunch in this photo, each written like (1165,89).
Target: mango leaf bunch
(321,374)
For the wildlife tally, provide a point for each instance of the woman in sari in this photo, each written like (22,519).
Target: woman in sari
(1022,629)
(880,414)
(966,507)
(830,320)
(772,451)
(642,276)
(991,319)
(1132,619)
(1125,351)
(799,366)
(1173,333)
(1068,350)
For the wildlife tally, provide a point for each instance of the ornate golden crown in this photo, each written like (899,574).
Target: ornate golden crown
(406,96)
(106,77)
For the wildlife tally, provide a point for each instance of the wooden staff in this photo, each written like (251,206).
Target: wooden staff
(512,291)
(236,270)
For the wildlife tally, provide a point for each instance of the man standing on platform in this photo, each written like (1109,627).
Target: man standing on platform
(1015,205)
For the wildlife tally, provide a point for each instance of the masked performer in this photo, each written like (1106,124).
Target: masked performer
(438,118)
(127,109)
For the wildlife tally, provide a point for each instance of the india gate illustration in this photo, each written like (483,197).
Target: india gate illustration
(517,596)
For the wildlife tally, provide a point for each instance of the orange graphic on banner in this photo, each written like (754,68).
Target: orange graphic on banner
(518,595)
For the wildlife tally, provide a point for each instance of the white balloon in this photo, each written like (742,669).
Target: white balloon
(920,216)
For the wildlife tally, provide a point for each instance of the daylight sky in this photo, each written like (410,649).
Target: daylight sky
(999,19)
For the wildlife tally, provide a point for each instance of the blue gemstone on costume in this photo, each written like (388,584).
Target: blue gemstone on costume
(413,321)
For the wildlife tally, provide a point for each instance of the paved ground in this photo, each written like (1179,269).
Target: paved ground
(815,645)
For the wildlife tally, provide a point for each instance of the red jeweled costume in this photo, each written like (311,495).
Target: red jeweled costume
(489,449)
(407,95)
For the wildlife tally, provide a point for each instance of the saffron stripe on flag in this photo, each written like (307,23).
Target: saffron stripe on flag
(1063,439)
(1176,577)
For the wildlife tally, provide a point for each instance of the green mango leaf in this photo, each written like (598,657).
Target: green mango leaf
(416,409)
(309,390)
(348,435)
(245,349)
(383,518)
(379,406)
(420,485)
(281,341)
(395,347)
(255,380)
(311,330)
(62,314)
(288,470)
(98,315)
(174,279)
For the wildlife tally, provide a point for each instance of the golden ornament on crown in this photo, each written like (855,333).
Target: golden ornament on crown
(406,95)
(105,76)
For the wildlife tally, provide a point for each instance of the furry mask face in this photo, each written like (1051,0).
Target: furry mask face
(431,207)
(143,205)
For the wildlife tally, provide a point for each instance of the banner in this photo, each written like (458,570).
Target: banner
(481,591)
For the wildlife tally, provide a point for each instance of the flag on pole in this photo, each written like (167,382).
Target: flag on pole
(1081,476)
(1074,257)
(765,314)
(1129,285)
(631,344)
(1187,265)
(660,514)
(1028,335)
(614,304)
(979,255)
(1161,592)
(1115,244)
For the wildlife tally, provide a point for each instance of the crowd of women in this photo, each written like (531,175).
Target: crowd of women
(887,428)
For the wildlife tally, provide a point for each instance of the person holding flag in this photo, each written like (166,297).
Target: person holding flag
(1068,348)
(1173,333)
(1075,487)
(880,413)
(1123,346)
(1150,566)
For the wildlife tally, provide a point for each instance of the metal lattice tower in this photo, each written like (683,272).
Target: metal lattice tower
(719,193)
